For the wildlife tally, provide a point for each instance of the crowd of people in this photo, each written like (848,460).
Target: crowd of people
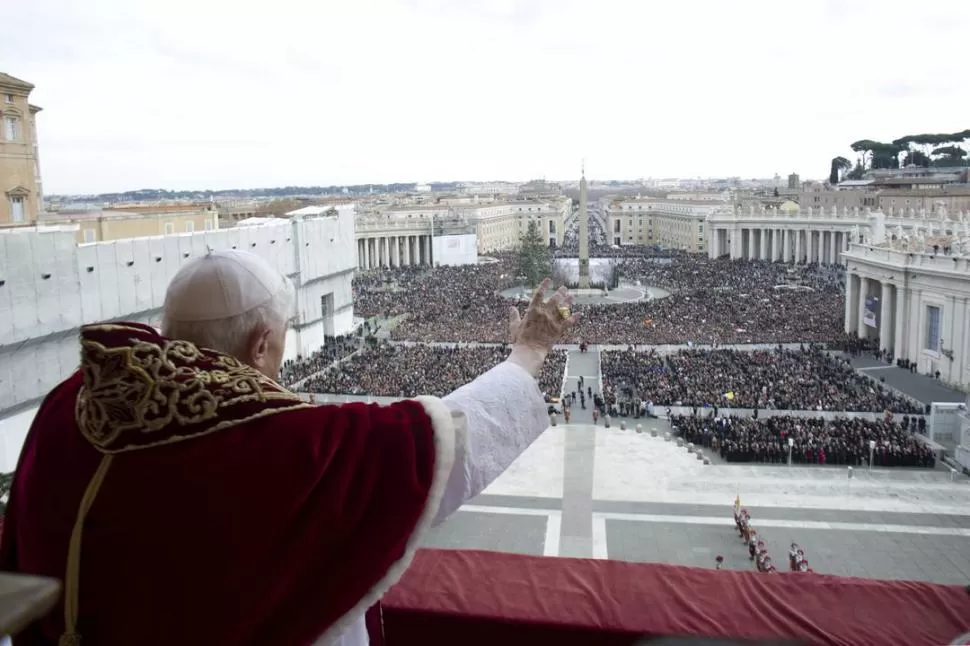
(806,379)
(843,441)
(719,301)
(395,370)
(334,349)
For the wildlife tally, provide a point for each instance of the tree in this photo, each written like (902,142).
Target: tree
(878,154)
(916,158)
(949,156)
(535,261)
(839,167)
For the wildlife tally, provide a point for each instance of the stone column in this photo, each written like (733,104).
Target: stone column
(899,324)
(763,234)
(851,302)
(406,241)
(367,253)
(426,250)
(862,330)
(798,245)
(915,324)
(776,245)
(886,316)
(833,252)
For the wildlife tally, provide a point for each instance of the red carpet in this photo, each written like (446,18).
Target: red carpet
(477,598)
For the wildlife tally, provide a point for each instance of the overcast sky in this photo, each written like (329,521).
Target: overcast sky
(196,94)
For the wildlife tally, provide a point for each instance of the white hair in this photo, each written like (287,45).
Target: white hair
(229,335)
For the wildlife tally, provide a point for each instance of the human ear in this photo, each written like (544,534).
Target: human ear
(258,347)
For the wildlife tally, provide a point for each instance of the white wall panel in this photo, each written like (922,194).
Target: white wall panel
(141,275)
(7,312)
(7,395)
(126,276)
(21,285)
(171,258)
(343,322)
(13,432)
(65,250)
(157,268)
(26,376)
(108,279)
(45,284)
(89,281)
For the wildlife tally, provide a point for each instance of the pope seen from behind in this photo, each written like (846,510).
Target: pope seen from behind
(184,497)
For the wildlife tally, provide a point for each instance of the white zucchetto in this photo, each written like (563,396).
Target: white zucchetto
(219,285)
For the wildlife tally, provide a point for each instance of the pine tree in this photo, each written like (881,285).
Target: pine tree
(535,262)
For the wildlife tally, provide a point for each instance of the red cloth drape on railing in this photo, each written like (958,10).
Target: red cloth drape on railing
(482,598)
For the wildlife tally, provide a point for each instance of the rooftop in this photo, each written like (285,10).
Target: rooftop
(10,81)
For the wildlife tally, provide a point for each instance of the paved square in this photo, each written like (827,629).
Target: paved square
(488,531)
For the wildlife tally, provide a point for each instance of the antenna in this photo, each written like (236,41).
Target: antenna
(583,167)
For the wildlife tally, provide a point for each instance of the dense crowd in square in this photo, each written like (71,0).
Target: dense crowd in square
(394,370)
(711,301)
(334,349)
(805,379)
(843,441)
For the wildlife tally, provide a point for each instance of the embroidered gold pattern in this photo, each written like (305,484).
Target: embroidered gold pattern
(142,390)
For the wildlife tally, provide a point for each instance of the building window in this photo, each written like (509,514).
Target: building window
(190,227)
(8,98)
(89,235)
(17,209)
(11,128)
(933,328)
(209,224)
(169,228)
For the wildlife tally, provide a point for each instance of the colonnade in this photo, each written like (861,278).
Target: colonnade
(781,244)
(393,251)
(877,308)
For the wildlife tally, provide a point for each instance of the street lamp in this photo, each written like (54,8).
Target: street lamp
(791,443)
(872,449)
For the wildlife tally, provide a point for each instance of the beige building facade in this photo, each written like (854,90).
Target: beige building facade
(915,300)
(676,224)
(137,222)
(809,235)
(891,201)
(21,194)
(396,235)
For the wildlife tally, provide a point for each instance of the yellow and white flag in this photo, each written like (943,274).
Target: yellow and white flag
(737,505)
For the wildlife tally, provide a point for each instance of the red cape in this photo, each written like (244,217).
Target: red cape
(225,510)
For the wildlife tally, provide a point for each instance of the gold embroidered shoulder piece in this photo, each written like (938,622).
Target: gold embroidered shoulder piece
(142,390)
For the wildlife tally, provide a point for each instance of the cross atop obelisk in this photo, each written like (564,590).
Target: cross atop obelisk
(583,232)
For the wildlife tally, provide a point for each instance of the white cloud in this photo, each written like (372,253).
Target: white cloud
(212,93)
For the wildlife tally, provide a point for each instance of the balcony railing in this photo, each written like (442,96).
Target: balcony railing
(479,598)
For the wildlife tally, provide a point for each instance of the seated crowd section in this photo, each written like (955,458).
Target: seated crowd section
(778,379)
(843,441)
(390,370)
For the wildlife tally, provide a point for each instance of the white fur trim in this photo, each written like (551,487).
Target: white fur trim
(446,440)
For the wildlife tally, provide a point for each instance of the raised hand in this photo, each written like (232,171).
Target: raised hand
(543,325)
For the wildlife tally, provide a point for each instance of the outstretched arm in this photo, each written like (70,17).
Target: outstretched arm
(503,408)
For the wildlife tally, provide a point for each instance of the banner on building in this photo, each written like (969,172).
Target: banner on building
(869,317)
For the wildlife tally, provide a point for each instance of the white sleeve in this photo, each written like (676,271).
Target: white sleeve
(504,413)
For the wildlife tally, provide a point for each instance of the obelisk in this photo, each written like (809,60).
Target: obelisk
(583,234)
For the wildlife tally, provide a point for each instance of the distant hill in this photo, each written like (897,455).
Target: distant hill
(160,194)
